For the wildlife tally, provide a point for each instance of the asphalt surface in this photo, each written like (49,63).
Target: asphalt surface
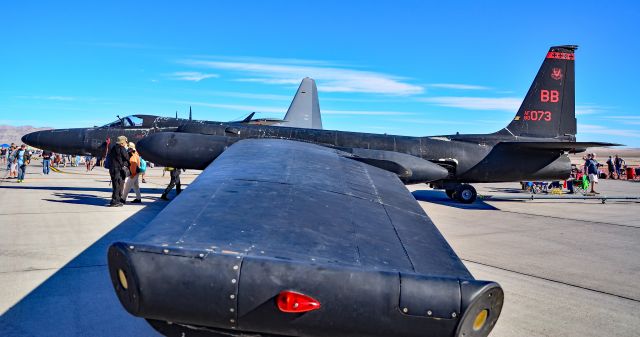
(568,268)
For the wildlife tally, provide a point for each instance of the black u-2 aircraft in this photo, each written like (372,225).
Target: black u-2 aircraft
(293,231)
(533,146)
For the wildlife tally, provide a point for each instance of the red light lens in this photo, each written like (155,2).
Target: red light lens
(291,301)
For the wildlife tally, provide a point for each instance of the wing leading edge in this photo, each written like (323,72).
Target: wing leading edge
(272,215)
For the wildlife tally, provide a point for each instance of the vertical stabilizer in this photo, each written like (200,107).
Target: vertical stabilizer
(548,110)
(304,111)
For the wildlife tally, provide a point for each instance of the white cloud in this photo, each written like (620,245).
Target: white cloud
(192,76)
(431,121)
(330,78)
(239,107)
(510,104)
(270,97)
(624,119)
(589,109)
(50,98)
(603,130)
(366,112)
(282,110)
(458,86)
(269,80)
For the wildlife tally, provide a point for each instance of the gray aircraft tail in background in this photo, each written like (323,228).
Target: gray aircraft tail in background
(304,111)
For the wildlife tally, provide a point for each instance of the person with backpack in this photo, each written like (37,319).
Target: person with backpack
(132,180)
(117,162)
(21,158)
(143,169)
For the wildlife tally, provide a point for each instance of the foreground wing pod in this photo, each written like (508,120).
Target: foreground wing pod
(238,292)
(347,237)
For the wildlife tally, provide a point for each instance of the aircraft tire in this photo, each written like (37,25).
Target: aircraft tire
(466,194)
(450,193)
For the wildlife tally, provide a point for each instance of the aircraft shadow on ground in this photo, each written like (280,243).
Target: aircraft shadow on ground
(440,198)
(78,299)
(82,198)
(507,190)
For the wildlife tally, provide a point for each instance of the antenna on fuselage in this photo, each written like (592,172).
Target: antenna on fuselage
(176,114)
(189,112)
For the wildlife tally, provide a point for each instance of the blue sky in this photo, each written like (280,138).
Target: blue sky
(400,67)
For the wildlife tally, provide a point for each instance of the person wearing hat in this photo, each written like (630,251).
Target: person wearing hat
(118,164)
(132,180)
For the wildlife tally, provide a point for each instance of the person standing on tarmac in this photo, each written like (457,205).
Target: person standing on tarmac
(610,167)
(3,156)
(13,164)
(175,181)
(592,171)
(46,161)
(619,162)
(132,180)
(118,164)
(22,159)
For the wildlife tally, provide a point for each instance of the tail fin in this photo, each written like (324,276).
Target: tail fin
(548,110)
(304,111)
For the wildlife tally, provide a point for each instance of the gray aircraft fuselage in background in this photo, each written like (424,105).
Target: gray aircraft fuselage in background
(533,146)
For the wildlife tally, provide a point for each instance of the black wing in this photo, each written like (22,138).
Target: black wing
(573,147)
(274,215)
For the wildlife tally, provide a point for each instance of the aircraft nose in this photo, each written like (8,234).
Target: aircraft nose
(68,141)
(30,138)
(33,139)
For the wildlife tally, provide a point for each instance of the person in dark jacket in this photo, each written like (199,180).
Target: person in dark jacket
(46,161)
(592,170)
(175,181)
(118,169)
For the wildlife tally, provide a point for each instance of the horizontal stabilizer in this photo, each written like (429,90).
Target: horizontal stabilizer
(573,147)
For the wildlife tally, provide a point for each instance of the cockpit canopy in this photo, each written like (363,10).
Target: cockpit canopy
(131,121)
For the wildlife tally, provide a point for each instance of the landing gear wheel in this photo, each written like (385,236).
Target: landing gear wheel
(450,193)
(466,194)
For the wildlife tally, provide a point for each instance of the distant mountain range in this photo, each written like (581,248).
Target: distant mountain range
(13,134)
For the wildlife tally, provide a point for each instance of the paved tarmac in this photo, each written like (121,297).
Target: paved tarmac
(568,268)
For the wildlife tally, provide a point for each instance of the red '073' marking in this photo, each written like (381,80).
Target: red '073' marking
(537,115)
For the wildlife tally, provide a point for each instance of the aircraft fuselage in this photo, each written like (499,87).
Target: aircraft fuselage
(414,159)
